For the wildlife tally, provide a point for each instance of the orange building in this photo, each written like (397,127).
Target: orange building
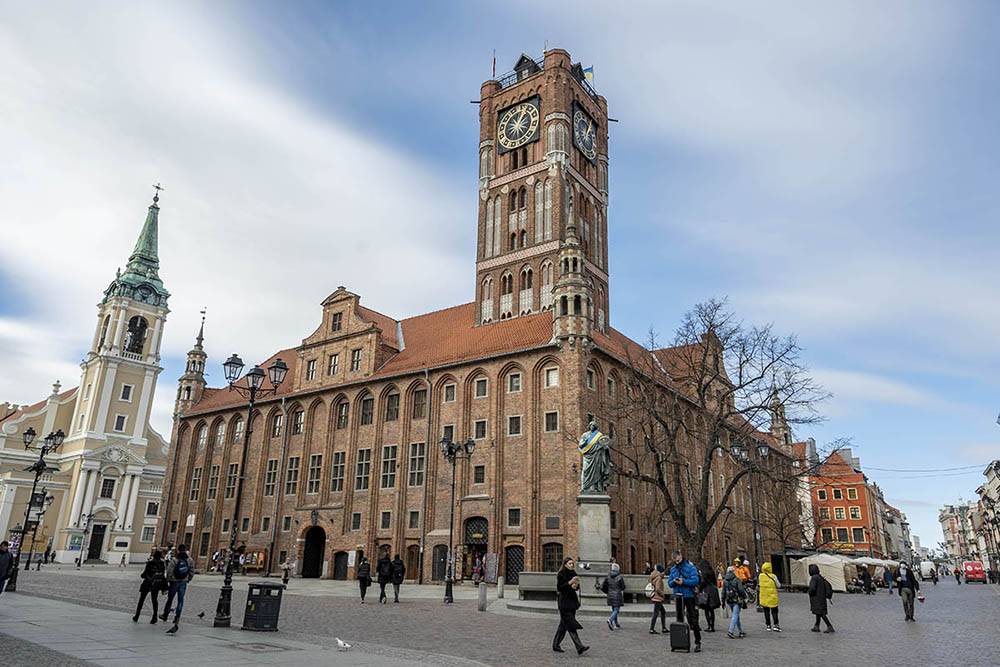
(845,509)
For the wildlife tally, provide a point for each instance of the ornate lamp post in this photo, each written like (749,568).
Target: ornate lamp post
(452,451)
(49,444)
(43,502)
(254,388)
(742,453)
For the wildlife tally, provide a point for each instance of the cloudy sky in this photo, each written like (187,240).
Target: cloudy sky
(831,170)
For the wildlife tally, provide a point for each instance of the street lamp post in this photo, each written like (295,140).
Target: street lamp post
(452,452)
(87,518)
(49,444)
(254,388)
(742,453)
(45,500)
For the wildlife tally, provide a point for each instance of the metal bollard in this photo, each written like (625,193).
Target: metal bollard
(500,588)
(482,597)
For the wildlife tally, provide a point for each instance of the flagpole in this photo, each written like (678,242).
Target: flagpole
(494,63)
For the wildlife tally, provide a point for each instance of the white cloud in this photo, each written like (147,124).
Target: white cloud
(851,388)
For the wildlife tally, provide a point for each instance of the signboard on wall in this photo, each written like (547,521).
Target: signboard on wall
(491,563)
(351,556)
(75,542)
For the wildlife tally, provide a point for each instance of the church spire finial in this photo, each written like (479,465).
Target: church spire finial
(201,331)
(156,195)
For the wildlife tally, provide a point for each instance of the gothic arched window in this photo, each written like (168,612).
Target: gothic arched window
(135,337)
(526,278)
(524,238)
(488,236)
(539,227)
(497,218)
(488,288)
(547,234)
(506,284)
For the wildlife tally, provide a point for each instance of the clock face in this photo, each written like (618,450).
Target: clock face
(584,133)
(518,125)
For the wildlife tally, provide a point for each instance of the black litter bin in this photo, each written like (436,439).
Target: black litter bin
(263,606)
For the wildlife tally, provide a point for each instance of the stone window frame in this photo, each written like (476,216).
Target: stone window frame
(510,383)
(413,520)
(839,514)
(124,423)
(548,373)
(333,364)
(854,535)
(820,494)
(356,357)
(824,513)
(265,524)
(520,425)
(475,429)
(387,469)
(847,535)
(481,382)
(195,484)
(852,493)
(854,510)
(448,431)
(225,525)
(298,422)
(449,388)
(111,493)
(338,468)
(417,464)
(245,524)
(150,531)
(292,475)
(315,474)
(838,494)
(511,524)
(121,392)
(545,421)
(363,469)
(156,508)
(355,521)
(270,477)
(286,523)
(336,322)
(476,470)
(385,520)
(591,379)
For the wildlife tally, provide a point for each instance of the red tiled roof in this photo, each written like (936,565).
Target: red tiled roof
(212,398)
(383,322)
(35,407)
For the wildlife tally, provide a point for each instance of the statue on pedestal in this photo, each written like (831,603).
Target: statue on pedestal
(596,469)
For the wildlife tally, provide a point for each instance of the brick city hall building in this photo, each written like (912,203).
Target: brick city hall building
(344,458)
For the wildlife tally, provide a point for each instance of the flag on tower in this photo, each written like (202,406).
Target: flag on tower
(588,73)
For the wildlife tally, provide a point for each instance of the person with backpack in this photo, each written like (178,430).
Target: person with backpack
(398,575)
(614,588)
(364,577)
(179,571)
(684,581)
(656,581)
(767,586)
(734,594)
(153,582)
(384,570)
(820,590)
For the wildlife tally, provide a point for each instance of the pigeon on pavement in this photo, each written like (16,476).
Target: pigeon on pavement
(341,644)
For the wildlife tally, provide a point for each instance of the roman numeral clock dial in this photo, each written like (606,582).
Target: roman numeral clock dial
(518,125)
(584,133)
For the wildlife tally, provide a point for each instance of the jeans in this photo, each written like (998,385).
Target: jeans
(734,624)
(907,595)
(768,613)
(690,608)
(395,592)
(658,611)
(614,616)
(888,582)
(177,588)
(3,583)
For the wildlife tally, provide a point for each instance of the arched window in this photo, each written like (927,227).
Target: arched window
(547,234)
(538,220)
(238,431)
(577,305)
(497,218)
(563,306)
(187,393)
(526,278)
(599,240)
(523,198)
(202,438)
(220,434)
(574,265)
(488,236)
(550,138)
(104,331)
(506,284)
(488,287)
(513,160)
(513,241)
(484,157)
(601,308)
(135,337)
(524,156)
(524,238)
(513,201)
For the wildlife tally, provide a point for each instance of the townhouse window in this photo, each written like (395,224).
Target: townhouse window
(270,477)
(479,474)
(213,483)
(386,521)
(419,404)
(551,421)
(855,513)
(389,466)
(315,470)
(276,425)
(448,432)
(332,364)
(590,379)
(298,422)
(148,533)
(480,388)
(362,469)
(367,410)
(838,513)
(449,393)
(479,429)
(173,526)
(827,535)
(108,487)
(342,409)
(311,369)
(392,407)
(337,322)
(356,360)
(356,521)
(245,524)
(514,425)
(416,464)
(514,517)
(231,475)
(842,535)
(551,377)
(337,471)
(153,507)
(838,494)
(414,520)
(859,534)
(821,494)
(126,394)
(292,476)
(852,494)
(824,513)
(286,523)
(195,483)
(514,382)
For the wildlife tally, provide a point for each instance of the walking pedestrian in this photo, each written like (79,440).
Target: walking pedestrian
(866,580)
(153,582)
(767,591)
(48,554)
(122,563)
(364,577)
(742,570)
(567,583)
(398,575)
(384,570)
(820,591)
(908,587)
(889,576)
(958,576)
(179,571)
(735,596)
(656,578)
(708,593)
(614,588)
(684,580)
(6,564)
(286,571)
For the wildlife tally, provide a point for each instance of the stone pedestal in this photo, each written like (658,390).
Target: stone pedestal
(594,541)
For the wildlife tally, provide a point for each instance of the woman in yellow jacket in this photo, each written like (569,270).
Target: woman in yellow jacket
(767,587)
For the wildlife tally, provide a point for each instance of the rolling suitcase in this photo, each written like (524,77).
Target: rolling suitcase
(680,637)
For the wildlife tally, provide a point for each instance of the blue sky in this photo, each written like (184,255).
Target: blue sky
(831,170)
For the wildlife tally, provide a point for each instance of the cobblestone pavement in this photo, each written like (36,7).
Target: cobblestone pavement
(956,626)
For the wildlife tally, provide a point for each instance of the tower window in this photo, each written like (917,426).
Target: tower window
(577,305)
(126,394)
(120,422)
(563,309)
(135,337)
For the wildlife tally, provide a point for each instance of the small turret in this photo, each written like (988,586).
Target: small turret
(779,424)
(191,385)
(573,323)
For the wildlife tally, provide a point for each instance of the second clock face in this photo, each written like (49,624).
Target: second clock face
(585,133)
(518,125)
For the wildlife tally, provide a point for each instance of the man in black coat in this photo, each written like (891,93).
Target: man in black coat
(567,583)
(6,564)
(398,574)
(384,570)
(908,588)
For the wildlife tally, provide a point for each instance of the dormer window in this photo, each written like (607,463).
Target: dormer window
(336,322)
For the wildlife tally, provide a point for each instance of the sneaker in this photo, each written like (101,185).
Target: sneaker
(173,629)
(580,650)
(731,635)
(777,629)
(653,632)
(611,626)
(743,634)
(768,628)
(697,648)
(618,626)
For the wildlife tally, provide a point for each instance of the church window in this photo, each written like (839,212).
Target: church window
(497,223)
(524,238)
(523,199)
(513,160)
(506,284)
(126,394)
(187,393)
(311,369)
(333,364)
(551,377)
(514,425)
(481,387)
(86,392)
(276,425)
(108,486)
(104,332)
(195,483)
(539,215)
(79,426)
(392,407)
(298,422)
(202,438)
(611,387)
(336,322)
(356,360)
(590,379)
(513,241)
(525,278)
(547,234)
(484,161)
(513,201)
(419,404)
(238,431)
(120,422)
(488,288)
(551,422)
(135,337)
(220,434)
(367,410)
(342,410)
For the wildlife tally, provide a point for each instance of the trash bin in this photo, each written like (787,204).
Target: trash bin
(263,606)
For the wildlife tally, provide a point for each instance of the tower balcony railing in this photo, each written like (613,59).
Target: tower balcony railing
(538,64)
(134,356)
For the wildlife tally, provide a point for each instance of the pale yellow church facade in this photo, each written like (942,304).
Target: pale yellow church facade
(106,479)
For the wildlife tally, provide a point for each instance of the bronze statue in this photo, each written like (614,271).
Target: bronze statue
(596,469)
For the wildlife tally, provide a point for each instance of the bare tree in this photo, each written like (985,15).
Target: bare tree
(715,386)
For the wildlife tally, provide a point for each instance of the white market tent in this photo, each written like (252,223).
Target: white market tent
(838,570)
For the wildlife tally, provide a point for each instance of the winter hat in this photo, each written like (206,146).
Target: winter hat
(660,568)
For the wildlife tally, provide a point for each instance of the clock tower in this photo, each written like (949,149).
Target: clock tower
(543,195)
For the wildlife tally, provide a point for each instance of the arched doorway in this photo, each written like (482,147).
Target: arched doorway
(476,534)
(340,565)
(412,561)
(440,568)
(312,559)
(513,564)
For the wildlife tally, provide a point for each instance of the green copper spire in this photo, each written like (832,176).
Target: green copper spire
(141,278)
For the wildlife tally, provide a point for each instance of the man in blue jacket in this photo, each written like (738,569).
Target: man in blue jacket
(684,582)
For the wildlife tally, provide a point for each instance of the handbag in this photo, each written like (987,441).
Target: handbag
(650,590)
(702,599)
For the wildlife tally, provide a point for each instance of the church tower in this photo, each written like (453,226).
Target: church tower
(191,385)
(120,370)
(543,171)
(780,429)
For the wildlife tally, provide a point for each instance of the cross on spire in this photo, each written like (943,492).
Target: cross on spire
(156,196)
